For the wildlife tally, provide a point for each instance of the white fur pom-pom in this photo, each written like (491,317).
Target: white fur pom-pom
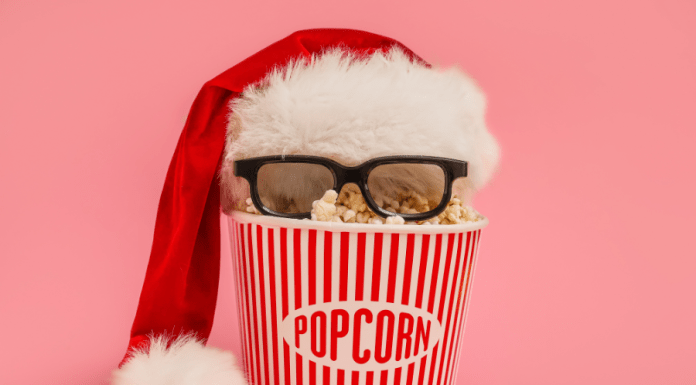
(186,362)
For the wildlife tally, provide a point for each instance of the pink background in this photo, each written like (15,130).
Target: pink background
(587,272)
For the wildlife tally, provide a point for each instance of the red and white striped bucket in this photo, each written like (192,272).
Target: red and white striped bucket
(350,304)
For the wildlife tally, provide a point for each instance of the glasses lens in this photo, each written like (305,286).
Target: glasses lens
(291,188)
(407,188)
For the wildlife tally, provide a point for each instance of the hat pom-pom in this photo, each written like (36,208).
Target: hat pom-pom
(183,361)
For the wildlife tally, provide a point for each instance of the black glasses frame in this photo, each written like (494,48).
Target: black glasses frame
(452,168)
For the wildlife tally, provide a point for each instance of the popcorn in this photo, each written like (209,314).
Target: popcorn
(362,217)
(395,220)
(336,218)
(348,215)
(350,207)
(250,207)
(456,213)
(325,209)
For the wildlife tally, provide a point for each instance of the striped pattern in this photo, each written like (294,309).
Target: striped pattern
(278,270)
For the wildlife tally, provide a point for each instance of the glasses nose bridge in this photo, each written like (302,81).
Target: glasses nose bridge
(348,175)
(352,175)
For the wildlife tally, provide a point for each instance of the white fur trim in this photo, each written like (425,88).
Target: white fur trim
(352,110)
(185,362)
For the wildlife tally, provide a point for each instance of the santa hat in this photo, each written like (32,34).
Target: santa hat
(256,108)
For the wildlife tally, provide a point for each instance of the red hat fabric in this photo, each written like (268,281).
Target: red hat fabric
(180,289)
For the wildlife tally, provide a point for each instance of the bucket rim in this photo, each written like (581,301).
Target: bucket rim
(266,220)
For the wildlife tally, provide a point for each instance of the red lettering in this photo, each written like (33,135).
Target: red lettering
(380,338)
(356,335)
(335,332)
(319,351)
(300,328)
(403,337)
(402,332)
(421,334)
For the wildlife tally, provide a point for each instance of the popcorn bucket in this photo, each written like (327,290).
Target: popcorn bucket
(334,303)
